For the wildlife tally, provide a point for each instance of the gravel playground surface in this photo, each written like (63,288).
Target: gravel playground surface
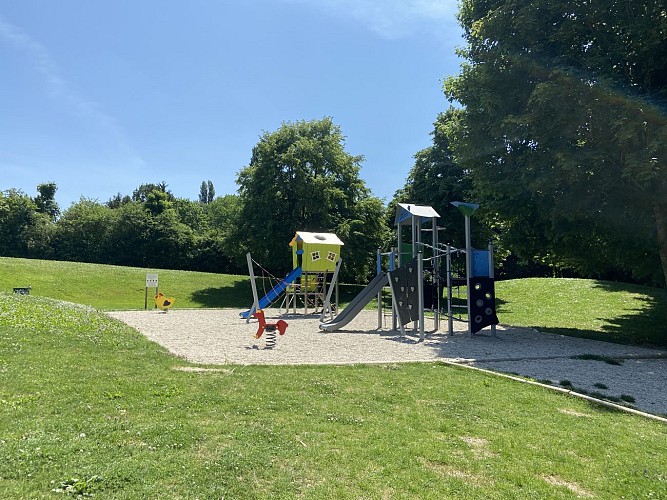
(220,336)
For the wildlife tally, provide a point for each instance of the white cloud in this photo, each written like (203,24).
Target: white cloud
(60,90)
(394,18)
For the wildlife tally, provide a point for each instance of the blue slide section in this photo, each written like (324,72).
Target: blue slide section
(275,292)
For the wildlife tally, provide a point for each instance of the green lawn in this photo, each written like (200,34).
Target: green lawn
(601,310)
(89,406)
(117,288)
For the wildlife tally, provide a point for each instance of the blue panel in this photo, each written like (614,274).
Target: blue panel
(403,215)
(480,263)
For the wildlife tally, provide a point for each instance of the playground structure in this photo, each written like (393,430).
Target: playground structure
(312,281)
(407,284)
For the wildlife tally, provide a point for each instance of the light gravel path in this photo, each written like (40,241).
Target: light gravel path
(219,336)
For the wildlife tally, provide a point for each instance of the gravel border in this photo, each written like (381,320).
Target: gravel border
(219,337)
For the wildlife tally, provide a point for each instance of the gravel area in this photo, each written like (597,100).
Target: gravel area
(219,336)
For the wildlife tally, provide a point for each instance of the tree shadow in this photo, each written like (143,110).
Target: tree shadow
(643,324)
(237,295)
(646,325)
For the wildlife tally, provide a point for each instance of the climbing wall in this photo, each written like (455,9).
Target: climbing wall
(404,282)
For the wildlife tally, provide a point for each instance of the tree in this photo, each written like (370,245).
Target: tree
(142,192)
(83,232)
(117,200)
(46,200)
(206,192)
(562,130)
(300,178)
(23,230)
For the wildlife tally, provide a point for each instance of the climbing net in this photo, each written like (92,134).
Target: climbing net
(267,276)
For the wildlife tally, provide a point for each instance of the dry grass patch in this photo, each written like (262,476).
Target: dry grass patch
(452,472)
(479,446)
(573,487)
(574,413)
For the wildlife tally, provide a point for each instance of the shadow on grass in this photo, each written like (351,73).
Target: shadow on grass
(237,295)
(648,326)
(645,326)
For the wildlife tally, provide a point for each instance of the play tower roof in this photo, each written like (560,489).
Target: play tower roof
(405,212)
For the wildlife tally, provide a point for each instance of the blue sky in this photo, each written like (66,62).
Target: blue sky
(100,97)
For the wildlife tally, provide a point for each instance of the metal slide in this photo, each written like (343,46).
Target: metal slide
(275,292)
(357,304)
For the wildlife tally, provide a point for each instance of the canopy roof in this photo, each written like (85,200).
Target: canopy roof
(405,211)
(320,238)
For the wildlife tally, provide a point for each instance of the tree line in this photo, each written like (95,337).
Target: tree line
(557,128)
(299,178)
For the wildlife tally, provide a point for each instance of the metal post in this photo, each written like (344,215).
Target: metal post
(255,303)
(420,293)
(334,284)
(468,269)
(379,270)
(305,293)
(450,318)
(436,275)
(492,276)
(392,266)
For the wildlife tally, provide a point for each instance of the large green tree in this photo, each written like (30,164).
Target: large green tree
(83,233)
(24,231)
(564,131)
(46,200)
(301,178)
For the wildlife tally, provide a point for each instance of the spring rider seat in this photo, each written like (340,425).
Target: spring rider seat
(270,328)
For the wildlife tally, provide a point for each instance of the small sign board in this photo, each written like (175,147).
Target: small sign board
(151,280)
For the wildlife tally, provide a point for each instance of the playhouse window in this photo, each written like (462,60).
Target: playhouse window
(331,257)
(314,256)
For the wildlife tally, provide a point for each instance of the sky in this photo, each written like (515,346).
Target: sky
(101,97)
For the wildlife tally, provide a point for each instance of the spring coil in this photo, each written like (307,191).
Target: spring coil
(270,339)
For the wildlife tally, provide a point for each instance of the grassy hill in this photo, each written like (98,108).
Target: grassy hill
(90,407)
(587,308)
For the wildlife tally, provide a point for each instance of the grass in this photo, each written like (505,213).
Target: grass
(120,288)
(89,406)
(600,310)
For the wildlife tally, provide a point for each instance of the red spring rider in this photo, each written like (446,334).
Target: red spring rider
(270,328)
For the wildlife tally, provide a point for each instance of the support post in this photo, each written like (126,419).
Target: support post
(255,303)
(379,270)
(332,286)
(492,276)
(436,275)
(450,318)
(468,268)
(392,266)
(420,293)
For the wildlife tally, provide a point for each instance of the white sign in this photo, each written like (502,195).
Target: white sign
(151,280)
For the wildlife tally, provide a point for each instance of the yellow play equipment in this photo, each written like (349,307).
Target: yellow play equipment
(163,302)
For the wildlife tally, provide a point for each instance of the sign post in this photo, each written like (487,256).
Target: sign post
(151,282)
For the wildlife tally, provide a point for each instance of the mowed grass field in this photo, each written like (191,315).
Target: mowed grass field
(90,407)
